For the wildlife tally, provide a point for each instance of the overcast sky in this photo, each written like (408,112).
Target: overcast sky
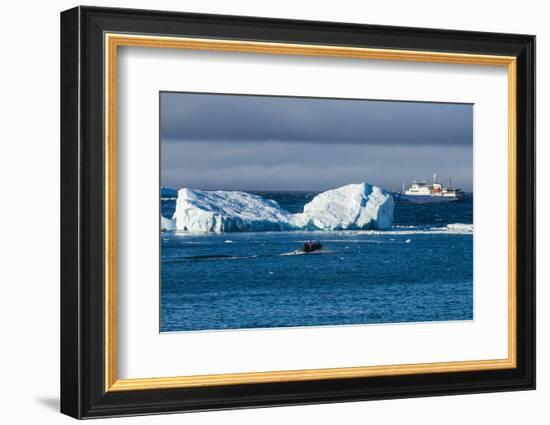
(214,141)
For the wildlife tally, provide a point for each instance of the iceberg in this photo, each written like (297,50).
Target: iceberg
(352,207)
(228,211)
(167,224)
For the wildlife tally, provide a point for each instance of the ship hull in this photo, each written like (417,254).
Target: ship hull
(426,199)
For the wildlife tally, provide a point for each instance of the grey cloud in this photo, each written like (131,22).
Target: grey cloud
(308,166)
(279,143)
(192,116)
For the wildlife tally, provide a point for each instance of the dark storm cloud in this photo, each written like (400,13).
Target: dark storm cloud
(309,166)
(261,118)
(274,143)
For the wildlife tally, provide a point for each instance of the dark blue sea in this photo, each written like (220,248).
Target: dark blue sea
(420,270)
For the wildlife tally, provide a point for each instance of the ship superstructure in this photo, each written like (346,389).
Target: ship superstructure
(421,191)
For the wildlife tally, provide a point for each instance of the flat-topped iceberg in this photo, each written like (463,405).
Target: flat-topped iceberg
(352,207)
(228,211)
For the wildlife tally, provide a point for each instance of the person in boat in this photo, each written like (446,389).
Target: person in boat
(312,246)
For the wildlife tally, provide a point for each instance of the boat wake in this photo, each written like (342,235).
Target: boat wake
(219,257)
(210,258)
(301,252)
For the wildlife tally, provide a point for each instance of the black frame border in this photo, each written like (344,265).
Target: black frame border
(82,212)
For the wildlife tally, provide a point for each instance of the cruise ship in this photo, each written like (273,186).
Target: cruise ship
(422,192)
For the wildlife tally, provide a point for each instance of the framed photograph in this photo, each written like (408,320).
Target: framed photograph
(261,212)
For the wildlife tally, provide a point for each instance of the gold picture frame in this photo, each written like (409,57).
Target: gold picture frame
(114,41)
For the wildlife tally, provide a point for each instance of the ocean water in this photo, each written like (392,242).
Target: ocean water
(420,270)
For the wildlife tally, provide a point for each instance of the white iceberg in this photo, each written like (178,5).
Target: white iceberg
(167,224)
(228,211)
(352,207)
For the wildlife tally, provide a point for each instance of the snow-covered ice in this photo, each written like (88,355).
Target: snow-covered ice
(352,207)
(228,211)
(167,224)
